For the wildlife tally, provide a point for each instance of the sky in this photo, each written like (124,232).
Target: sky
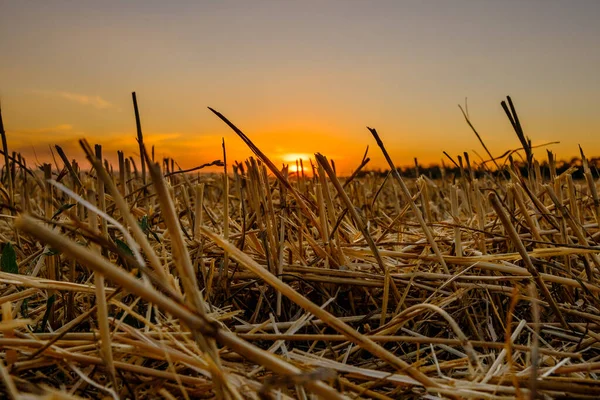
(299,77)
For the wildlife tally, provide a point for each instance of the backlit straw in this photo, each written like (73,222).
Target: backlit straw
(149,280)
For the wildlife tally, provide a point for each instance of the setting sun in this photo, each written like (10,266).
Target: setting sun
(298,168)
(297,162)
(293,157)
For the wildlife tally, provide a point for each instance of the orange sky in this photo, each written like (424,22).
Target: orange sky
(299,77)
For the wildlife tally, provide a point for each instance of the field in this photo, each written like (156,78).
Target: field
(141,281)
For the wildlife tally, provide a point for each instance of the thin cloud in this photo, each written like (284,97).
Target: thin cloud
(83,99)
(20,138)
(44,132)
(94,101)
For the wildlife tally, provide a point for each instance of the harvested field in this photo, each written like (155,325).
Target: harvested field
(139,280)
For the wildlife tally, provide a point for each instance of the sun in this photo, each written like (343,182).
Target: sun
(297,168)
(294,159)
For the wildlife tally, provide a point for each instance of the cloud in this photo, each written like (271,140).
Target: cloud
(93,101)
(43,133)
(57,128)
(25,138)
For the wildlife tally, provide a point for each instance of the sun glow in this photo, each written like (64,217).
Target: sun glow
(293,157)
(297,161)
(297,168)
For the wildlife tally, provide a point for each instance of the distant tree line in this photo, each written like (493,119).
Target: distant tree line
(435,171)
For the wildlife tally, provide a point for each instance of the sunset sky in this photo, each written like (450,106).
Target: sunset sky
(300,77)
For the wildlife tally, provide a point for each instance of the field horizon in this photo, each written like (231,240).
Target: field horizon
(300,200)
(139,280)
